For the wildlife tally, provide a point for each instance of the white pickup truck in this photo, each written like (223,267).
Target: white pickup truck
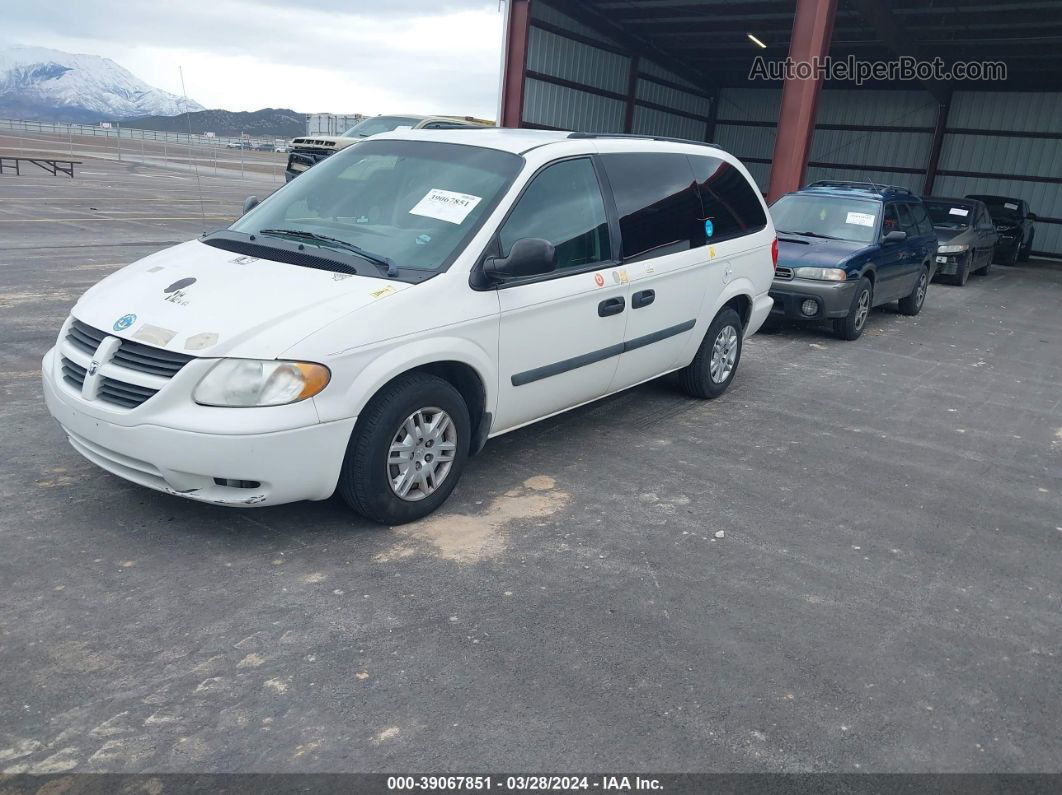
(307,151)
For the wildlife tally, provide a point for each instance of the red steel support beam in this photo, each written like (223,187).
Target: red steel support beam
(938,144)
(812,31)
(518,23)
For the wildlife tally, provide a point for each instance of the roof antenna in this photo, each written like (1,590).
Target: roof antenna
(195,165)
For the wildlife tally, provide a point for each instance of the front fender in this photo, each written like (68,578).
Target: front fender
(372,369)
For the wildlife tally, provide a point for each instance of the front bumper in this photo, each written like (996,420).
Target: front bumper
(287,465)
(833,299)
(948,264)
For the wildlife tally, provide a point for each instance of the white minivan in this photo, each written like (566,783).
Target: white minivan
(370,325)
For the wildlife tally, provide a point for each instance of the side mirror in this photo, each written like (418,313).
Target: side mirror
(1032,216)
(895,236)
(528,257)
(249,204)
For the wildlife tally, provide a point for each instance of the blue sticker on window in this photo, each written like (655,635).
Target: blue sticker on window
(124,322)
(423,240)
(709,227)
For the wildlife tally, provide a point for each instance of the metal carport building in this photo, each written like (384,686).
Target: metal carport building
(682,68)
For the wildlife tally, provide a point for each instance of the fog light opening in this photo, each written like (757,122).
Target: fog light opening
(810,307)
(237,484)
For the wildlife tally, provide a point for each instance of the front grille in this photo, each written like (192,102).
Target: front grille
(783,273)
(124,394)
(73,373)
(156,361)
(84,337)
(129,356)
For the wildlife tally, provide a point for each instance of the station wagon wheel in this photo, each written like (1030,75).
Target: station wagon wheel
(407,451)
(912,304)
(716,361)
(850,327)
(421,453)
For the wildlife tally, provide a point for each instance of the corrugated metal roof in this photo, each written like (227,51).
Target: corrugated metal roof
(560,106)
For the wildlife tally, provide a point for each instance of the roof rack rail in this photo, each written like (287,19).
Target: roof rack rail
(849,183)
(636,137)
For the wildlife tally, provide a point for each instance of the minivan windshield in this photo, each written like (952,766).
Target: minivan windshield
(832,217)
(414,203)
(949,215)
(379,124)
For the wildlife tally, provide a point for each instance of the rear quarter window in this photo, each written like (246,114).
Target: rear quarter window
(729,201)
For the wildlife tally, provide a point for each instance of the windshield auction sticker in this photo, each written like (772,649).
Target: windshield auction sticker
(862,219)
(446,205)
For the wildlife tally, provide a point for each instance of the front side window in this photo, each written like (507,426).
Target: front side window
(659,210)
(563,205)
(730,203)
(414,202)
(831,217)
(890,221)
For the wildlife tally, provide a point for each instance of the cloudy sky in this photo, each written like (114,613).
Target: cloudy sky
(341,56)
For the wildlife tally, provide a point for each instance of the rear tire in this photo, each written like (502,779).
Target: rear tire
(717,359)
(376,458)
(912,304)
(850,327)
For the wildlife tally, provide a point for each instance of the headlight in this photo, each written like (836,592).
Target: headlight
(952,249)
(822,274)
(249,382)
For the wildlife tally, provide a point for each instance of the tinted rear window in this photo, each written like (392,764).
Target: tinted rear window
(730,203)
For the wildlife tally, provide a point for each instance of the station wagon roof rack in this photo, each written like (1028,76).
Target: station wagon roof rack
(635,137)
(849,183)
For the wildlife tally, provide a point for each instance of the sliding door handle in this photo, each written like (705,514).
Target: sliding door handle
(642,298)
(610,306)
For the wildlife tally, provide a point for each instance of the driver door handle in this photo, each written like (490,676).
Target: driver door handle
(610,306)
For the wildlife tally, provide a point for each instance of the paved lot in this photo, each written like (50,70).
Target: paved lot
(886,595)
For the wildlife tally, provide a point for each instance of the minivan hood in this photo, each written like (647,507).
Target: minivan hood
(204,301)
(795,250)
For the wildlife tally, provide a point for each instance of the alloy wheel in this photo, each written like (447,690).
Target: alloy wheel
(724,354)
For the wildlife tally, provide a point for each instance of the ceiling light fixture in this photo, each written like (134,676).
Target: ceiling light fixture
(756,41)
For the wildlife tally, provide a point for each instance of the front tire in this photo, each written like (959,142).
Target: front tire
(407,451)
(912,304)
(963,274)
(716,362)
(850,327)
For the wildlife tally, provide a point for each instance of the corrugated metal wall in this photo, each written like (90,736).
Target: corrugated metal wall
(579,79)
(1007,143)
(974,149)
(877,136)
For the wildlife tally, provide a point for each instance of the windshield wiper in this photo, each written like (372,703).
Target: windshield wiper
(376,259)
(809,234)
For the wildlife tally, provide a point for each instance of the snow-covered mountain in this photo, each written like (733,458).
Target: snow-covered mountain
(39,83)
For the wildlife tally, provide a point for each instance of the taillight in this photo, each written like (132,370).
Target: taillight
(774,253)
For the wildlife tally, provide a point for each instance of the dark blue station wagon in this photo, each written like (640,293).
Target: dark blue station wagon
(846,247)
